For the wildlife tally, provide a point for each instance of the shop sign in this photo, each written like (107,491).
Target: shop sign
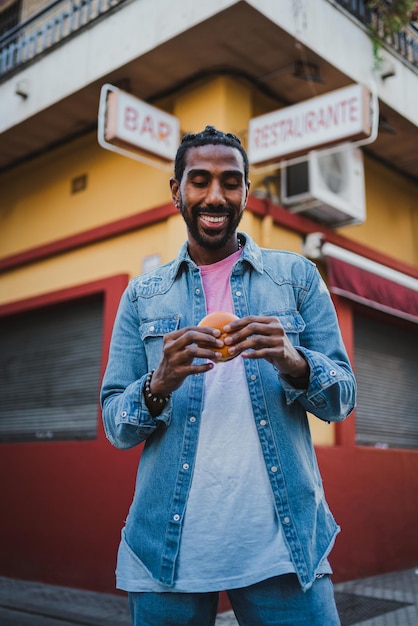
(337,116)
(135,125)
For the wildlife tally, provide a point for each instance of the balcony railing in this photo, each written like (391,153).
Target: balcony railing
(404,43)
(47,29)
(63,19)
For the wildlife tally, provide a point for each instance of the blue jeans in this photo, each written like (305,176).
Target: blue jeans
(277,601)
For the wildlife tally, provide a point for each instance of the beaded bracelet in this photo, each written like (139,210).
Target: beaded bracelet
(149,393)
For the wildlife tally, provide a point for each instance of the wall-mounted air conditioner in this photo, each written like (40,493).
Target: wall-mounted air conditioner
(327,187)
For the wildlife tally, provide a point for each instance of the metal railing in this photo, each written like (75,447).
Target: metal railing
(63,19)
(48,28)
(404,43)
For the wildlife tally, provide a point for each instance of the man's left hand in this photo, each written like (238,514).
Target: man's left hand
(263,337)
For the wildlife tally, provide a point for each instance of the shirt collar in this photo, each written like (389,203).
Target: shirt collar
(251,253)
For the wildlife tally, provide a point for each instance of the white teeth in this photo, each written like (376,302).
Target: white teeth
(214,219)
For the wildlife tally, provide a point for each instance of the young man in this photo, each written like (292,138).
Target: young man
(228,493)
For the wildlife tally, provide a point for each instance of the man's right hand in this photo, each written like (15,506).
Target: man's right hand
(180,349)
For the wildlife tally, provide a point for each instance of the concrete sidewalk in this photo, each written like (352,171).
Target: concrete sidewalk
(385,600)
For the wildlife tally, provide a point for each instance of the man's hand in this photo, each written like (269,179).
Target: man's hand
(263,337)
(180,348)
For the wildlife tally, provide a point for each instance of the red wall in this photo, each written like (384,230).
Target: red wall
(373,495)
(63,506)
(64,503)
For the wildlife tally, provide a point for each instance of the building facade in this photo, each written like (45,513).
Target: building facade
(77,221)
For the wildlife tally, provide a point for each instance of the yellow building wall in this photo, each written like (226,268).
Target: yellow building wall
(37,207)
(221,102)
(119,255)
(392,214)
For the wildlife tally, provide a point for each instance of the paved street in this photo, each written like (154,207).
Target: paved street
(386,600)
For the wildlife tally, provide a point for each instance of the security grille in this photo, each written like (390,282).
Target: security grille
(386,363)
(50,367)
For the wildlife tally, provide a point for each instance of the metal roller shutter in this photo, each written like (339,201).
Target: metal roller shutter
(50,367)
(386,364)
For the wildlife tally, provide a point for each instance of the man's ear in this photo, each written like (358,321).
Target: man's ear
(247,191)
(175,192)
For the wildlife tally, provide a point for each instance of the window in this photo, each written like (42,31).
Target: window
(9,15)
(50,361)
(386,364)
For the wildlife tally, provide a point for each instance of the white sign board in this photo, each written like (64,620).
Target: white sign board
(337,116)
(134,124)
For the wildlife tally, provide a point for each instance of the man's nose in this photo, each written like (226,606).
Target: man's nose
(215,193)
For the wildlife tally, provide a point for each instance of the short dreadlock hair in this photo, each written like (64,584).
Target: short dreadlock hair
(209,136)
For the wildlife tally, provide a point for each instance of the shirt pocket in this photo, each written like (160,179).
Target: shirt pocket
(152,334)
(293,324)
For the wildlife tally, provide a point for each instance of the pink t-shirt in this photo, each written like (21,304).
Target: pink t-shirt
(215,279)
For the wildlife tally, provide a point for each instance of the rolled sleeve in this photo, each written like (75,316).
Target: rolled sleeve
(330,394)
(126,417)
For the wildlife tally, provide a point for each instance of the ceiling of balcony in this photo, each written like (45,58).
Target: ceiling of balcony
(238,41)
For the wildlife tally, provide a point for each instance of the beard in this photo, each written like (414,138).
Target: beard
(210,241)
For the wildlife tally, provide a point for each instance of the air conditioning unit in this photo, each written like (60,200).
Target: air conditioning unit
(328,186)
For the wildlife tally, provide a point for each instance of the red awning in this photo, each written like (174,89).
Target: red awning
(375,285)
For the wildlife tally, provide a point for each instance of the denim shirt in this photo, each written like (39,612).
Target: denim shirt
(263,282)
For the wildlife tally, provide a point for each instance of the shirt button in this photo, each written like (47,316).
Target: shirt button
(238,293)
(286,520)
(274,469)
(288,325)
(186,466)
(333,373)
(197,291)
(193,419)
(263,422)
(176,517)
(253,377)
(152,328)
(124,413)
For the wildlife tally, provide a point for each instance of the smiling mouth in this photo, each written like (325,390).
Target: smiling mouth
(213,220)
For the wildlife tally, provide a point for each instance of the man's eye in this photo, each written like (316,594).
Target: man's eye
(231,184)
(199,182)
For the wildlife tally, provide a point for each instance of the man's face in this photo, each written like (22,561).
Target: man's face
(212,194)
